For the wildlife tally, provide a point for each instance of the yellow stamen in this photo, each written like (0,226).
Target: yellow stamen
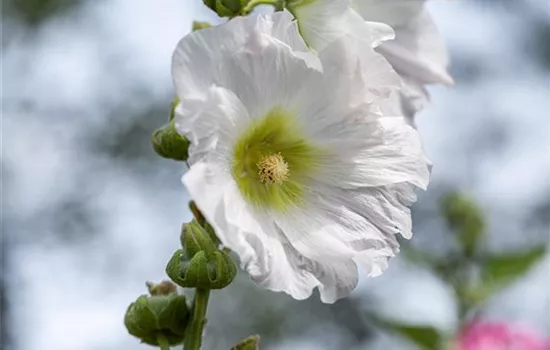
(273,169)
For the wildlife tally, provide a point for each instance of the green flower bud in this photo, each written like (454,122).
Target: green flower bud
(200,25)
(464,216)
(248,343)
(200,264)
(194,238)
(202,221)
(158,318)
(168,143)
(163,288)
(227,8)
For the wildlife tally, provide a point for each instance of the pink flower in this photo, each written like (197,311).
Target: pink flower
(499,336)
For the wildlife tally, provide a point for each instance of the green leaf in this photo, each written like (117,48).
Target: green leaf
(426,337)
(250,343)
(502,269)
(198,25)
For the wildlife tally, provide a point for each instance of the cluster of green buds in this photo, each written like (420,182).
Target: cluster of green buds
(159,319)
(163,318)
(201,263)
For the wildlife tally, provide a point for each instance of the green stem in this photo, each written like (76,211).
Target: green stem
(253,3)
(193,335)
(163,342)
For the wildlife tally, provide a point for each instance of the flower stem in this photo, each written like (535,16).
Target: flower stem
(163,342)
(193,335)
(253,3)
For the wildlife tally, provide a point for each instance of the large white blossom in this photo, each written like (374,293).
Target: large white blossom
(417,53)
(292,160)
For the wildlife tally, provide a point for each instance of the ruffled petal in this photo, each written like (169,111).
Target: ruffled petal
(323,21)
(418,50)
(358,82)
(390,153)
(211,123)
(192,77)
(336,230)
(265,73)
(257,73)
(325,254)
(361,124)
(271,263)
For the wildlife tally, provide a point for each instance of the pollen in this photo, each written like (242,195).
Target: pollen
(273,169)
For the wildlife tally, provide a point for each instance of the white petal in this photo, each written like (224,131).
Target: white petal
(414,98)
(390,152)
(368,150)
(323,21)
(357,81)
(286,30)
(326,256)
(270,262)
(261,74)
(395,13)
(418,50)
(264,74)
(211,123)
(338,278)
(335,229)
(386,207)
(351,57)
(192,77)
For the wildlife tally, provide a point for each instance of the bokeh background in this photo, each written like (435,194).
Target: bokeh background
(89,212)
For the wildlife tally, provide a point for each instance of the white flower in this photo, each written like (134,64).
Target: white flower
(292,161)
(417,53)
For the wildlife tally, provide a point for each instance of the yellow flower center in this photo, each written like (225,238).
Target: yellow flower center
(265,153)
(273,169)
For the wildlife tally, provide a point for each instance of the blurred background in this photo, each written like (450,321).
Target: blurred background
(89,212)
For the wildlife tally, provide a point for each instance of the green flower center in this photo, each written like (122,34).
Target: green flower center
(273,161)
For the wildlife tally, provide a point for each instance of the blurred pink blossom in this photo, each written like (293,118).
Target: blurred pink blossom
(499,336)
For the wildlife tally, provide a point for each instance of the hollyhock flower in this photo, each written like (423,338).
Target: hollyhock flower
(291,159)
(417,53)
(499,336)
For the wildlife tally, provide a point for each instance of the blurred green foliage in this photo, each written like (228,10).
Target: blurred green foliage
(425,337)
(474,273)
(464,217)
(34,12)
(499,271)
